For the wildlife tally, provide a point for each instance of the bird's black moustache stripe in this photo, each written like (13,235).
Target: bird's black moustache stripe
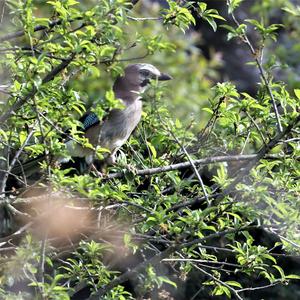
(145,82)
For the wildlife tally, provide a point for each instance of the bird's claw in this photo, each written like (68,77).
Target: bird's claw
(131,169)
(96,172)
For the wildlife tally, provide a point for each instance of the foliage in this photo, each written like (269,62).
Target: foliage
(88,234)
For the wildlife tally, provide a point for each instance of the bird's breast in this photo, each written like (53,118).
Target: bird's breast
(119,125)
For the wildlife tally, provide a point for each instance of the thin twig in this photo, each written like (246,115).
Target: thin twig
(259,287)
(192,165)
(41,266)
(235,292)
(160,256)
(14,160)
(201,261)
(261,71)
(285,239)
(257,127)
(17,233)
(145,19)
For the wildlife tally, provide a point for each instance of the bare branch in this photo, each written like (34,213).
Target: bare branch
(18,213)
(201,261)
(145,19)
(260,287)
(285,239)
(183,165)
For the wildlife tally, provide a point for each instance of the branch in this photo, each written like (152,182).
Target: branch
(14,160)
(2,11)
(145,19)
(51,24)
(261,154)
(17,105)
(259,287)
(192,165)
(48,77)
(261,71)
(159,257)
(4,89)
(285,239)
(201,261)
(235,293)
(20,33)
(17,233)
(183,165)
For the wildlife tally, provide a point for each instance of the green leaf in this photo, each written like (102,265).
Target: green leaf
(297,93)
(153,151)
(280,270)
(233,4)
(270,257)
(22,137)
(234,283)
(178,124)
(72,2)
(202,6)
(168,281)
(208,110)
(293,276)
(42,21)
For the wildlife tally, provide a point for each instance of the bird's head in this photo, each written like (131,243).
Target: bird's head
(141,74)
(137,76)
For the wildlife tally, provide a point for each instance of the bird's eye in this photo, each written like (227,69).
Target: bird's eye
(145,73)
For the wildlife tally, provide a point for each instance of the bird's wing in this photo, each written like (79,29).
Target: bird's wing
(88,120)
(93,127)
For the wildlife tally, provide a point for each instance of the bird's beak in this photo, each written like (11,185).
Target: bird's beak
(164,76)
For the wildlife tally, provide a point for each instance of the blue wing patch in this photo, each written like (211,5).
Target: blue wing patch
(89,120)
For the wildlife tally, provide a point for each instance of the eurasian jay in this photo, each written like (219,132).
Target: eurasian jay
(118,125)
(115,129)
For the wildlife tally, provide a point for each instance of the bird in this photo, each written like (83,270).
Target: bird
(116,127)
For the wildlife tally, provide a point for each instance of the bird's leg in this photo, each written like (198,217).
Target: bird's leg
(131,168)
(91,166)
(111,159)
(98,173)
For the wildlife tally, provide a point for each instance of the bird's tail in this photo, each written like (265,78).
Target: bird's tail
(29,167)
